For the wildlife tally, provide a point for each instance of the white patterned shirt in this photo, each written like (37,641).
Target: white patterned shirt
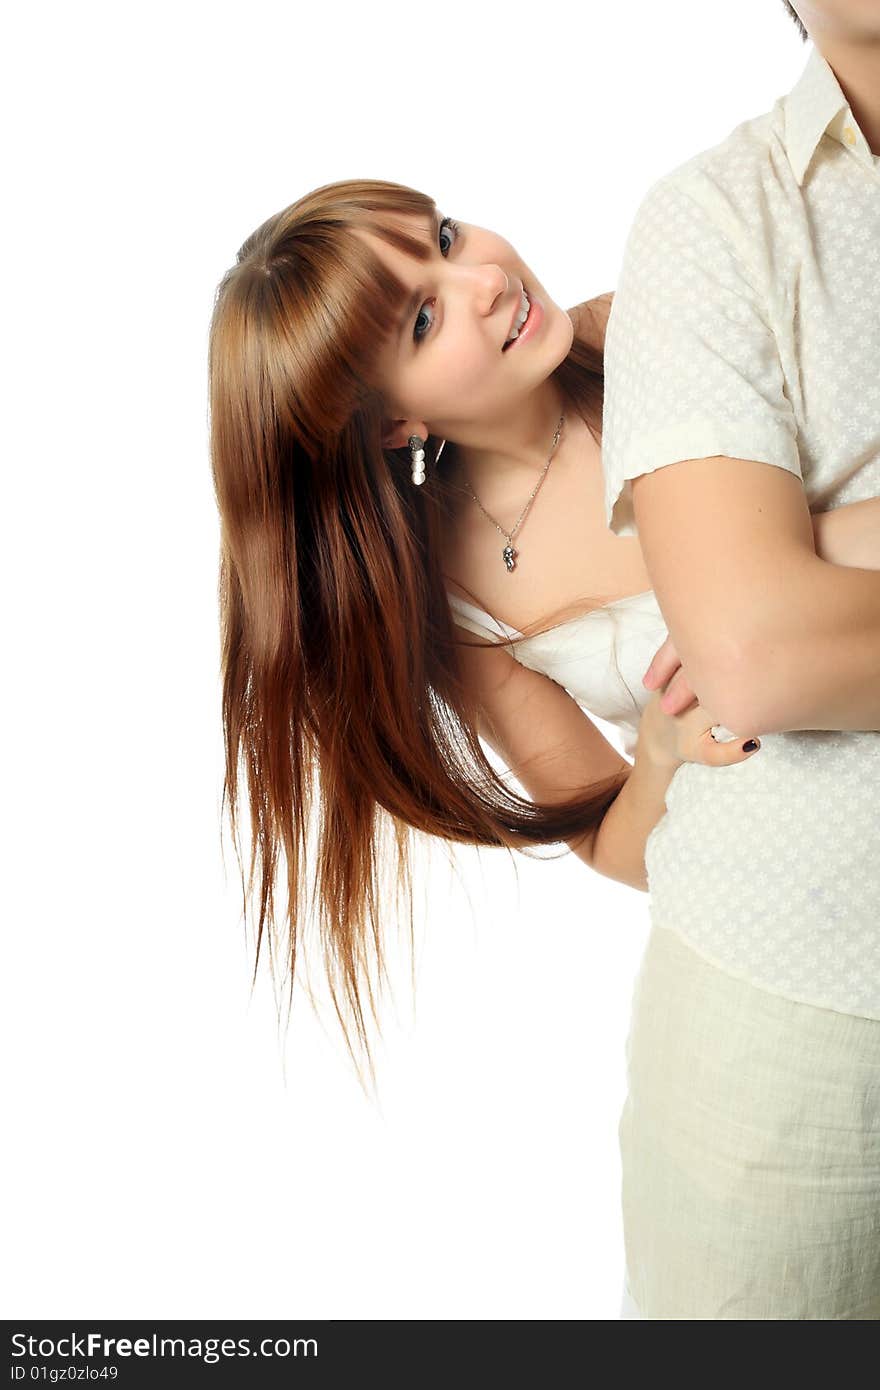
(746,323)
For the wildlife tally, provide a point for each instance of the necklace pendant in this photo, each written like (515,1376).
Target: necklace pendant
(509,556)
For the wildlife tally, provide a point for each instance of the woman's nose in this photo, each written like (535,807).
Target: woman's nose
(491,281)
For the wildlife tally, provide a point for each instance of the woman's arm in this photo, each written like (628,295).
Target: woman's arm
(850,534)
(555,751)
(617,848)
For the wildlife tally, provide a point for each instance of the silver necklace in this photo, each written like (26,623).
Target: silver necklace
(509,554)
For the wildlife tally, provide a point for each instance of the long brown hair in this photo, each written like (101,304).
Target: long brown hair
(345,718)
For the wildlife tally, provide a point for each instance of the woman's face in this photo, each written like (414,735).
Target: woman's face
(447,371)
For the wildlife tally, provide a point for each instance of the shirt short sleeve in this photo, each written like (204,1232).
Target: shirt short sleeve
(692,366)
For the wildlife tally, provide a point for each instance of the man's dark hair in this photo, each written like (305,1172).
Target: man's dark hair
(795,16)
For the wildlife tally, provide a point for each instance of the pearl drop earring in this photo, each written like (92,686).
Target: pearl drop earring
(417,454)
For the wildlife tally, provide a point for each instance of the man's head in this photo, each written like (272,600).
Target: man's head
(794,14)
(849,21)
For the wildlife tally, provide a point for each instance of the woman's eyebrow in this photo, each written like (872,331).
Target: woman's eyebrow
(418,294)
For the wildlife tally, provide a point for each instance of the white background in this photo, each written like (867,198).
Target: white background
(160,1160)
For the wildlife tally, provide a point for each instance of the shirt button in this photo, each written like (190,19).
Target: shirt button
(849,135)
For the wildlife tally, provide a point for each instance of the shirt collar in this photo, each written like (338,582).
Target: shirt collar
(816,105)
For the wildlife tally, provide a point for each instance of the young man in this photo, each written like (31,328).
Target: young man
(742,390)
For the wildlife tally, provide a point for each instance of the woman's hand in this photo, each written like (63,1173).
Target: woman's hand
(666,670)
(849,534)
(591,319)
(668,740)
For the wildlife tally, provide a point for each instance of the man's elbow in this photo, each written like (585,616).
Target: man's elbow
(731,688)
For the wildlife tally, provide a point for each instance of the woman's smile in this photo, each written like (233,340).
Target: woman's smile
(531,323)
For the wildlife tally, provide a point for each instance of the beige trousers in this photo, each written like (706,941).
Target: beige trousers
(750,1147)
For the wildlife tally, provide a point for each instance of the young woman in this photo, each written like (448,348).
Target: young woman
(405,437)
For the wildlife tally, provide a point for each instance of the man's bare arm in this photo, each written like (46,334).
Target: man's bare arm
(771,637)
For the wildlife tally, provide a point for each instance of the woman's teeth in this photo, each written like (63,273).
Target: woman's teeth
(520,319)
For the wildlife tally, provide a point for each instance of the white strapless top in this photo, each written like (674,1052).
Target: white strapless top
(598,657)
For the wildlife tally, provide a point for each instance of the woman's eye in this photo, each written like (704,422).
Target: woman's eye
(417,331)
(447,225)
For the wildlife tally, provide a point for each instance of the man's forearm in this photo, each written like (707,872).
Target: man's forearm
(812,660)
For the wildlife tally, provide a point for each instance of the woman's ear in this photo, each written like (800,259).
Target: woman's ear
(396,433)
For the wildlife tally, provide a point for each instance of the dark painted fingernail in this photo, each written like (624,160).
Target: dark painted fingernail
(751,745)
